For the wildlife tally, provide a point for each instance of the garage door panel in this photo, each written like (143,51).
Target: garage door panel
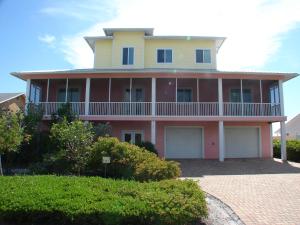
(242,142)
(183,142)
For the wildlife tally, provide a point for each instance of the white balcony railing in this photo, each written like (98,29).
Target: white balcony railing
(162,108)
(187,109)
(251,109)
(120,108)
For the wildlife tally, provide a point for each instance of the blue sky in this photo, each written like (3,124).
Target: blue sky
(262,35)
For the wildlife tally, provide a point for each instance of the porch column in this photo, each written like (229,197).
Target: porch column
(153,110)
(47,97)
(87,95)
(153,96)
(153,132)
(220,96)
(176,89)
(197,89)
(67,86)
(28,84)
(282,123)
(242,97)
(109,96)
(271,139)
(221,141)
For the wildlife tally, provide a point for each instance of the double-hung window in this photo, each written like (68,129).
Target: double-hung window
(203,56)
(164,56)
(128,55)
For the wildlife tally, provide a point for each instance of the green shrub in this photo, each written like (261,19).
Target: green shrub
(292,150)
(73,140)
(148,146)
(102,130)
(81,200)
(130,161)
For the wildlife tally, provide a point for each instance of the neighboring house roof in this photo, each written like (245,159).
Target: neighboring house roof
(4,97)
(20,75)
(292,126)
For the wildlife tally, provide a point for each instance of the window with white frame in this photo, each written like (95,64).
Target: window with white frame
(133,137)
(235,95)
(128,55)
(164,56)
(203,56)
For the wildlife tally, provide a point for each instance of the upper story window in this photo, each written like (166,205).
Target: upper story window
(164,56)
(203,56)
(128,55)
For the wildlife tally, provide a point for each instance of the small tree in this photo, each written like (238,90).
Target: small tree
(64,112)
(73,139)
(103,130)
(11,133)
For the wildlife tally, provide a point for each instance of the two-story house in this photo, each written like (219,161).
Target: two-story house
(167,90)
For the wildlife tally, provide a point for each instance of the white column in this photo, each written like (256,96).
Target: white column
(47,97)
(153,132)
(220,96)
(28,85)
(221,141)
(260,92)
(281,98)
(130,89)
(283,140)
(271,139)
(153,96)
(67,86)
(109,96)
(87,95)
(282,123)
(176,89)
(197,89)
(109,89)
(242,97)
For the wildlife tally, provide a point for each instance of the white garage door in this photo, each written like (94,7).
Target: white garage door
(183,142)
(242,142)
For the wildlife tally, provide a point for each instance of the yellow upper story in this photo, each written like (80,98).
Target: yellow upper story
(137,48)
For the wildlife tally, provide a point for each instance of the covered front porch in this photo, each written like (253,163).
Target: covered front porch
(162,97)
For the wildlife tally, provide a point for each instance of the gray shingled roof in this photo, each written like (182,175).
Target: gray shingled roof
(7,96)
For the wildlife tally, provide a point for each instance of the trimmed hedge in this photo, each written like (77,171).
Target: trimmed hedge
(129,161)
(292,150)
(82,200)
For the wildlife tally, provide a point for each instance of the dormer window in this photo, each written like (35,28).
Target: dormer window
(164,56)
(128,54)
(203,56)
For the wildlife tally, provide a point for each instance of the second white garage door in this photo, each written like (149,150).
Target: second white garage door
(183,142)
(242,142)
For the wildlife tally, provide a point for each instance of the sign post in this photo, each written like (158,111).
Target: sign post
(105,161)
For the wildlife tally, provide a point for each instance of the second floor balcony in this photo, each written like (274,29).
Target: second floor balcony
(161,97)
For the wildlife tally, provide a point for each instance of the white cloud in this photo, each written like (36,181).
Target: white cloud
(48,39)
(254,29)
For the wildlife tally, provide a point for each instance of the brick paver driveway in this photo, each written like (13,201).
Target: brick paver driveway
(259,191)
